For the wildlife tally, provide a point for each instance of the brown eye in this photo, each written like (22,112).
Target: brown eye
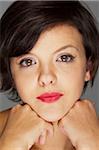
(27,62)
(65,58)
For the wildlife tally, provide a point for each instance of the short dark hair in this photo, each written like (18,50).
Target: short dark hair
(24,21)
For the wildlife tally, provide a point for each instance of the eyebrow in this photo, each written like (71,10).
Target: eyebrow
(60,49)
(66,46)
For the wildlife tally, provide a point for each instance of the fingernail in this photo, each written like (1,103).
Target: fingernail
(50,133)
(42,140)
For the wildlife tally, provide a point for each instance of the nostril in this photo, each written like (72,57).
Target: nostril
(46,83)
(51,81)
(46,79)
(42,84)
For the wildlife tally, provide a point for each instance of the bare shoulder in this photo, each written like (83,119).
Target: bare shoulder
(3,119)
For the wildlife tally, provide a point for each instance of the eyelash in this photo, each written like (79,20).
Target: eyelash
(27,62)
(67,58)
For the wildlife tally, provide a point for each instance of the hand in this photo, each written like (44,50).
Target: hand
(24,128)
(82,126)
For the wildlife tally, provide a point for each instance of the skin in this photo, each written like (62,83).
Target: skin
(82,122)
(38,77)
(65,121)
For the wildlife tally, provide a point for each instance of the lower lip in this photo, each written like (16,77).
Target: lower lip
(50,99)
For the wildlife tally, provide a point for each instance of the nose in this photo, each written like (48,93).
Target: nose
(47,78)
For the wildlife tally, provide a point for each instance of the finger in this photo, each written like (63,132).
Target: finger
(49,129)
(42,138)
(15,107)
(61,127)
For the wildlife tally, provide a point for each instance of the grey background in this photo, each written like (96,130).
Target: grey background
(91,93)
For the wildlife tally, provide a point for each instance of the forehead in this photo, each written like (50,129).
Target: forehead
(57,37)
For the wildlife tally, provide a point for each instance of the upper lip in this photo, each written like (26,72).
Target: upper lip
(49,95)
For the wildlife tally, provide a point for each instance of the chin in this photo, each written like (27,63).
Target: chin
(51,117)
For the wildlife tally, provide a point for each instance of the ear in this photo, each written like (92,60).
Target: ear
(87,75)
(88,71)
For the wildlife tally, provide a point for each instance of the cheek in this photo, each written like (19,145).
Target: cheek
(73,81)
(24,83)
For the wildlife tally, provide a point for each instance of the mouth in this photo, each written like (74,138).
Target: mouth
(49,97)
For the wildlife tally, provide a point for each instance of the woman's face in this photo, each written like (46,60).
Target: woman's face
(56,65)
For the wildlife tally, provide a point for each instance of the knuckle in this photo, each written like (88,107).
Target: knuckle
(15,107)
(26,107)
(61,123)
(88,102)
(18,105)
(42,123)
(83,102)
(78,103)
(48,125)
(38,123)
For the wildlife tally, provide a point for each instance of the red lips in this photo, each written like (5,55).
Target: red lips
(49,97)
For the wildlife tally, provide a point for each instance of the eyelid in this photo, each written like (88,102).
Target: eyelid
(27,62)
(32,57)
(65,53)
(72,56)
(25,59)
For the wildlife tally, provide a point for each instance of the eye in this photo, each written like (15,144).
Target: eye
(27,62)
(65,58)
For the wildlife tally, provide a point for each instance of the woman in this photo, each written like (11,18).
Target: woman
(49,51)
